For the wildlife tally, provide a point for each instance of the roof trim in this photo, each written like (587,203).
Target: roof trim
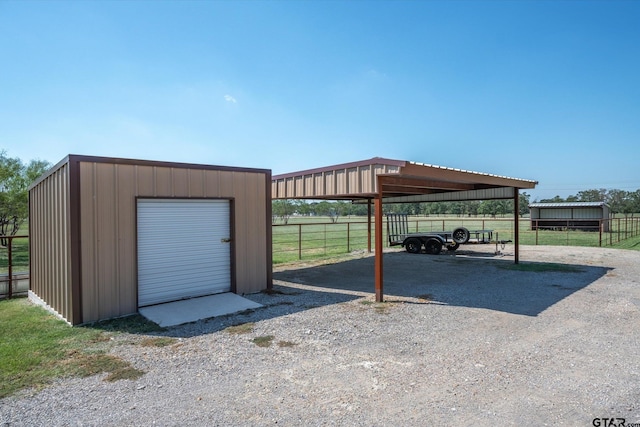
(561,205)
(368,162)
(139,162)
(470,172)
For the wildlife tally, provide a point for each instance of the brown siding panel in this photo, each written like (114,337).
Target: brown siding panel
(309,183)
(212,184)
(180,182)
(163,182)
(126,240)
(50,275)
(196,183)
(144,181)
(107,260)
(227,187)
(251,234)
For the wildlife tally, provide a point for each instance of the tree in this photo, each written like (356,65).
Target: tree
(593,195)
(617,200)
(633,202)
(282,209)
(556,199)
(15,178)
(523,203)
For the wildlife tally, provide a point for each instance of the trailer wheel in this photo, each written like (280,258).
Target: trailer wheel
(413,245)
(460,235)
(433,246)
(452,246)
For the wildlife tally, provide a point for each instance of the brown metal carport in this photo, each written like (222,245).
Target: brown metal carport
(397,181)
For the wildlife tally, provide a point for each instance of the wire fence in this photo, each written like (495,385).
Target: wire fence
(293,242)
(311,240)
(14,266)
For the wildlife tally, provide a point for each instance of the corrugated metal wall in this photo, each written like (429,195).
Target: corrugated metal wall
(108,207)
(93,275)
(356,180)
(570,213)
(50,242)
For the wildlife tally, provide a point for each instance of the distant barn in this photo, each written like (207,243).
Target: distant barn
(586,216)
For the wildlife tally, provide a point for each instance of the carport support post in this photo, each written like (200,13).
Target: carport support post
(516,224)
(369,225)
(378,236)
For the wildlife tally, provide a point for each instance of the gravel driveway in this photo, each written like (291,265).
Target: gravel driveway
(462,339)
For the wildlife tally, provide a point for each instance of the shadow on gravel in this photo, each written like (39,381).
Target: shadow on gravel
(465,279)
(477,280)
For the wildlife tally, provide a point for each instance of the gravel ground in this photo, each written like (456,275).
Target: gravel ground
(462,339)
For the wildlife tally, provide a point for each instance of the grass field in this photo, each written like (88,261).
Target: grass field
(36,347)
(20,256)
(306,238)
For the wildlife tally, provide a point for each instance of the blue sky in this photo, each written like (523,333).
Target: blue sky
(543,90)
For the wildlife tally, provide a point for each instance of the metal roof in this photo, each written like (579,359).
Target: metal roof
(560,205)
(397,178)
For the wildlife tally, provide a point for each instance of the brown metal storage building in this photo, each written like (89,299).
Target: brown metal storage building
(108,236)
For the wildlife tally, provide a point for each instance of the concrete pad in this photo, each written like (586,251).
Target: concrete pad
(194,309)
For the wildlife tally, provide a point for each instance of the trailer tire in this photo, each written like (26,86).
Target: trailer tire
(413,245)
(452,246)
(433,246)
(460,235)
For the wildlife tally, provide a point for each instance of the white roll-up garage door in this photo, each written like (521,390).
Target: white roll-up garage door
(183,249)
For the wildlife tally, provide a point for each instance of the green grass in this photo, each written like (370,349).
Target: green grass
(158,342)
(243,328)
(263,341)
(36,348)
(19,256)
(632,244)
(310,238)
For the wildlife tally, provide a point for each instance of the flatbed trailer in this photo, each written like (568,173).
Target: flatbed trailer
(434,241)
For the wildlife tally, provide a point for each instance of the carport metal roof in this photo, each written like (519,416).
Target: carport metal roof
(397,181)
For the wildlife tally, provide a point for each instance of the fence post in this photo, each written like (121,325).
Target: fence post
(600,232)
(299,241)
(325,238)
(10,261)
(610,233)
(625,228)
(618,231)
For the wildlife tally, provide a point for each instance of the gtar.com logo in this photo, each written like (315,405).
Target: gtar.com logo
(609,422)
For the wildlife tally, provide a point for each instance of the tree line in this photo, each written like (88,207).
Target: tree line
(620,201)
(283,209)
(15,179)
(625,202)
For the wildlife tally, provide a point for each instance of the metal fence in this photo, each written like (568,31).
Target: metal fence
(14,266)
(292,242)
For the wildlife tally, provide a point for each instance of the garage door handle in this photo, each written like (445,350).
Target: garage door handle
(225,240)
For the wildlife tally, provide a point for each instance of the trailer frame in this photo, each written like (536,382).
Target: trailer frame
(434,241)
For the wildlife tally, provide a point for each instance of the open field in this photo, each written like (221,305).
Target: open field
(305,238)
